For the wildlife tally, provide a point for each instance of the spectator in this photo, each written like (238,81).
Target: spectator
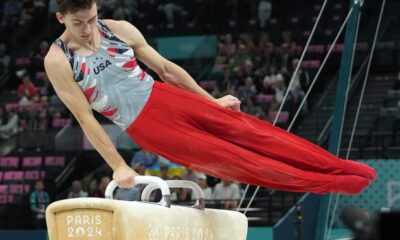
(44,118)
(264,42)
(280,90)
(248,90)
(202,182)
(228,192)
(26,88)
(140,168)
(164,172)
(156,195)
(286,58)
(76,190)
(302,79)
(11,127)
(267,88)
(251,107)
(219,66)
(247,69)
(190,175)
(177,194)
(46,88)
(145,157)
(267,53)
(248,42)
(39,200)
(287,38)
(103,185)
(93,189)
(300,85)
(25,102)
(274,78)
(44,101)
(226,48)
(239,59)
(32,119)
(43,121)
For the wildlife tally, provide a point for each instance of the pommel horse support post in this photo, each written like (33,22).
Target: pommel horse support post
(108,219)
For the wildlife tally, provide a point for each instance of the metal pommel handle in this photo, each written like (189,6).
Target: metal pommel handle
(150,180)
(197,191)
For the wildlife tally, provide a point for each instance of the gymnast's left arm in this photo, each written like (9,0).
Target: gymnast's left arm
(168,71)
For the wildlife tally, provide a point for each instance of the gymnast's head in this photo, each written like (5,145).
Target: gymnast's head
(79,18)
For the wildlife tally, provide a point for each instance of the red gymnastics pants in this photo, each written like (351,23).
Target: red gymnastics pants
(197,133)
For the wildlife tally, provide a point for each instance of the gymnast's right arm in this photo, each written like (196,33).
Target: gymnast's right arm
(60,74)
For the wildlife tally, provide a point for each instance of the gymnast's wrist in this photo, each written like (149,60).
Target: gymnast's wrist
(119,165)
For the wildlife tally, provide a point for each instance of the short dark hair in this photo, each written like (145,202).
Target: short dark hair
(72,6)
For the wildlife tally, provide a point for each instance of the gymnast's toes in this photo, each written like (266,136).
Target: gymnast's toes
(350,184)
(359,169)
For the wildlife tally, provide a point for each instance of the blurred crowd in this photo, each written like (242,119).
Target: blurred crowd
(21,21)
(37,107)
(258,72)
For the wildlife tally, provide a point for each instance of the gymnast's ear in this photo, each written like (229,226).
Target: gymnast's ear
(60,17)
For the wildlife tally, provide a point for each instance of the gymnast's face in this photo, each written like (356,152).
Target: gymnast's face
(81,25)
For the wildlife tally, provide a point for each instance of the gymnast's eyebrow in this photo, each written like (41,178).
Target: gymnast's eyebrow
(79,20)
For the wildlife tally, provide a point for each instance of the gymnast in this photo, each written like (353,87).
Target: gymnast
(93,65)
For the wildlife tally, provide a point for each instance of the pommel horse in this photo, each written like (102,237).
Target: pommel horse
(110,219)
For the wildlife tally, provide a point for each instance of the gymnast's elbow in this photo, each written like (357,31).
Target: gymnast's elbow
(166,73)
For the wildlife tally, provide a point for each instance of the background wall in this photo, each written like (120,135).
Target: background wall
(375,196)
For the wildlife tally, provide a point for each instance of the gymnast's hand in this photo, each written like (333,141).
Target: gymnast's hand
(124,176)
(229,102)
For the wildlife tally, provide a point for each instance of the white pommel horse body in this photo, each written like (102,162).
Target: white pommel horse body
(108,219)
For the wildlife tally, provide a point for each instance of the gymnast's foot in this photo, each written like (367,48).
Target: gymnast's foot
(350,184)
(359,169)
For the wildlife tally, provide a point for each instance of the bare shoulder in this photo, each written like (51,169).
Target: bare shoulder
(55,57)
(125,31)
(112,23)
(57,66)
(115,24)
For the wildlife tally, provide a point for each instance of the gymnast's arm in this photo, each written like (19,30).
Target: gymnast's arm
(168,71)
(60,74)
